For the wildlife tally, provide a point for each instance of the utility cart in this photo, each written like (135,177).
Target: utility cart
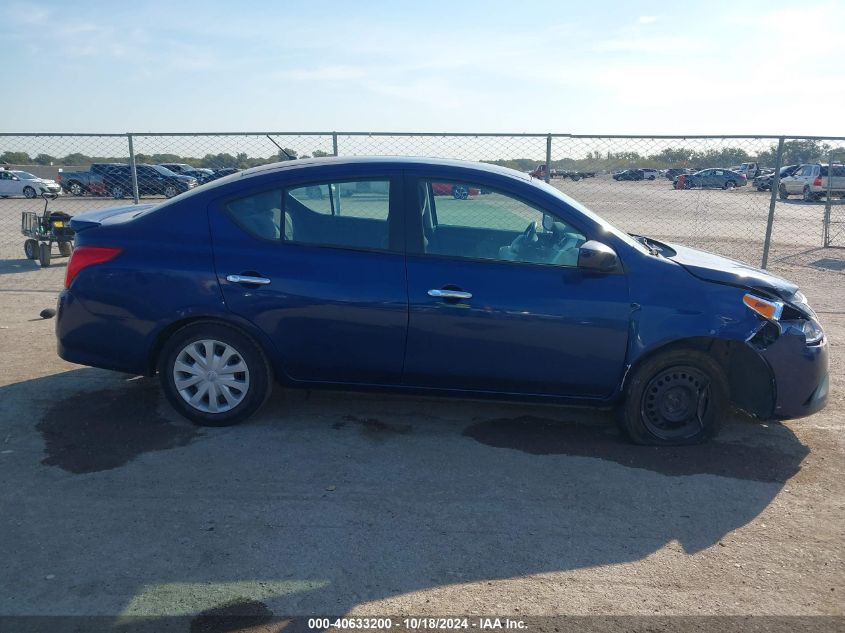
(42,230)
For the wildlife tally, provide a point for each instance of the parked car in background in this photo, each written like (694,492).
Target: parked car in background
(22,183)
(216,174)
(629,174)
(153,180)
(672,172)
(200,173)
(810,181)
(749,170)
(714,178)
(456,190)
(80,183)
(402,292)
(540,172)
(650,174)
(764,181)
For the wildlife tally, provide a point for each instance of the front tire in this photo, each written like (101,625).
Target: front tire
(213,374)
(28,192)
(65,249)
(76,189)
(729,185)
(675,398)
(118,192)
(44,254)
(30,249)
(170,191)
(782,193)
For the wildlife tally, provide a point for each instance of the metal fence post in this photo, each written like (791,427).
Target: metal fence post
(334,143)
(133,170)
(772,203)
(548,157)
(826,230)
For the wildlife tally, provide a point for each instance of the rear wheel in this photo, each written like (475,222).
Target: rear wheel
(30,248)
(44,254)
(675,398)
(118,192)
(729,185)
(460,192)
(65,249)
(213,374)
(807,194)
(782,193)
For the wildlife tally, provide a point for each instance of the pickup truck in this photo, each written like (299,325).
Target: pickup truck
(540,172)
(91,182)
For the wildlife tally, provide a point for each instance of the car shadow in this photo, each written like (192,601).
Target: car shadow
(326,501)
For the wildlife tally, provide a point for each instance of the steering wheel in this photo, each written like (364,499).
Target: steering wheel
(530,234)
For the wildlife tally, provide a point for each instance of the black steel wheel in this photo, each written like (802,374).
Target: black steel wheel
(674,398)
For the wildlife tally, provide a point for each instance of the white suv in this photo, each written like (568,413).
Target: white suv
(811,182)
(649,174)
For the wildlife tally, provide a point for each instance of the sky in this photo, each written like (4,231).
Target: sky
(532,66)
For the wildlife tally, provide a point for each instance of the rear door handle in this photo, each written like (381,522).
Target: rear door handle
(248,279)
(449,294)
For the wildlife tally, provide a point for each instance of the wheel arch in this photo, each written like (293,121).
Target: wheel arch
(241,325)
(749,377)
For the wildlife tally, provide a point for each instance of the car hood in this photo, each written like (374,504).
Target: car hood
(724,270)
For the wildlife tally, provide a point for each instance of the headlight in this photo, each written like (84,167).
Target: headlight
(812,331)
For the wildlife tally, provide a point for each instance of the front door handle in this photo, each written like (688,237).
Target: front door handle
(449,294)
(248,279)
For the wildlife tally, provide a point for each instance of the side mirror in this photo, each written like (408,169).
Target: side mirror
(596,256)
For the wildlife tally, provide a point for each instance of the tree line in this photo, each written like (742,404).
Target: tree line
(798,151)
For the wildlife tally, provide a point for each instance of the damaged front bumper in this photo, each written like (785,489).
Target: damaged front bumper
(799,370)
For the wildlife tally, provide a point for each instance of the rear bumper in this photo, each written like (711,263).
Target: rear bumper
(800,373)
(88,339)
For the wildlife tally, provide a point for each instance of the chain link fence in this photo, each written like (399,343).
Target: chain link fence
(742,196)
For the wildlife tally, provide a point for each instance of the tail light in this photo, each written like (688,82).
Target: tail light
(817,182)
(85,256)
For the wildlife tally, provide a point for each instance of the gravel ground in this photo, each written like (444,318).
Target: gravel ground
(335,503)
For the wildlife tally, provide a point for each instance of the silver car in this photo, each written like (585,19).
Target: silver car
(810,181)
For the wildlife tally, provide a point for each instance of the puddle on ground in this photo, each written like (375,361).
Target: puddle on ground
(540,436)
(102,430)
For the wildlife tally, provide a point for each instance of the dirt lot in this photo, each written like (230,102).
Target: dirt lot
(331,504)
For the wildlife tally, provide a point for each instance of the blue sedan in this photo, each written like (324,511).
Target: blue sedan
(352,273)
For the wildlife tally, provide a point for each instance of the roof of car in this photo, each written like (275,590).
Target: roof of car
(396,161)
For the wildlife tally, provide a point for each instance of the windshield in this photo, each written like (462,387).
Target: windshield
(163,170)
(25,175)
(605,225)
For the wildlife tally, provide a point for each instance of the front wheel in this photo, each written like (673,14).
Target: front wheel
(118,192)
(170,191)
(808,195)
(28,192)
(730,185)
(213,374)
(44,254)
(460,193)
(76,189)
(675,398)
(782,193)
(65,249)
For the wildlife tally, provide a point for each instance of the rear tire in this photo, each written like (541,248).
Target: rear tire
(782,193)
(238,375)
(44,254)
(118,192)
(729,185)
(807,195)
(65,249)
(675,398)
